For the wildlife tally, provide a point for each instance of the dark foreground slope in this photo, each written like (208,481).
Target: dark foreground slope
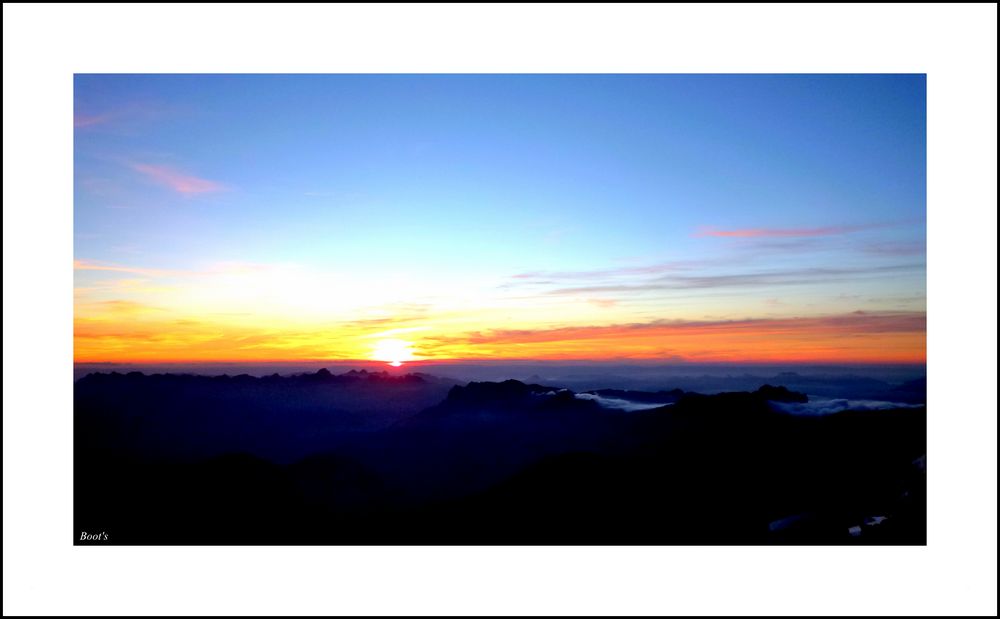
(323,459)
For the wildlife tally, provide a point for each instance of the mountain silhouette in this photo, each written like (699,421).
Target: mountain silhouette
(375,458)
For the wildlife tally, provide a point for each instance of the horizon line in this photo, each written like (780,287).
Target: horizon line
(512,361)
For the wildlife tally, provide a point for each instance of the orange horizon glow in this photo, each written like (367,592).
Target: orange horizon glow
(851,338)
(244,312)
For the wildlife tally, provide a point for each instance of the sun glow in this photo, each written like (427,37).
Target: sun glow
(393,351)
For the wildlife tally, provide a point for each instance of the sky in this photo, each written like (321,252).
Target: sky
(700,218)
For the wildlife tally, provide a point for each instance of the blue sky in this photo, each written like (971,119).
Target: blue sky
(779,195)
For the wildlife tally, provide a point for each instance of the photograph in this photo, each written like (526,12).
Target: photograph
(533,309)
(500,309)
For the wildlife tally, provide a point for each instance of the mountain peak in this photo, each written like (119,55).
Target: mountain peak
(780,394)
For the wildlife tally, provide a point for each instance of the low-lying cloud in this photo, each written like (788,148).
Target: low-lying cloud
(829,407)
(619,403)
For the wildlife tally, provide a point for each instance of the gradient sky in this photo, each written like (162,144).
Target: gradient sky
(704,218)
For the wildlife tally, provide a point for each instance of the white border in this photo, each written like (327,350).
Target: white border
(43,45)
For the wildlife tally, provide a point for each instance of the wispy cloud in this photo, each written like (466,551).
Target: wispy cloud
(120,308)
(787,277)
(126,117)
(89,265)
(228,268)
(90,120)
(752,233)
(612,272)
(856,323)
(914,248)
(181,182)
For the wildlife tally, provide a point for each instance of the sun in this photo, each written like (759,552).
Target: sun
(393,351)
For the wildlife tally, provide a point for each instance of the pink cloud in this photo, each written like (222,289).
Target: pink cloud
(89,120)
(127,117)
(746,233)
(178,181)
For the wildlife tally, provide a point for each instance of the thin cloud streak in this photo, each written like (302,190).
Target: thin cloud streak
(897,249)
(87,265)
(856,323)
(125,117)
(792,277)
(176,180)
(744,233)
(90,120)
(652,269)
